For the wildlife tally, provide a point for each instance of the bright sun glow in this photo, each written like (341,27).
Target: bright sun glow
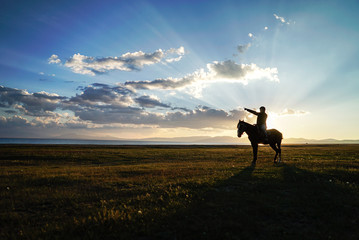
(271,123)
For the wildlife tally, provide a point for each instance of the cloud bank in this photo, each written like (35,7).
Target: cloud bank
(100,105)
(104,106)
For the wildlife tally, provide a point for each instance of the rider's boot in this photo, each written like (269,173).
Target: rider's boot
(265,137)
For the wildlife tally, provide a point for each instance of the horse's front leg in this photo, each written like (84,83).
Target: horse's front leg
(255,151)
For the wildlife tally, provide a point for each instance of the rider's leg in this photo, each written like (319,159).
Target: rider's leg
(263,131)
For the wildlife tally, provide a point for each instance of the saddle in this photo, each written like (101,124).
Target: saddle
(261,136)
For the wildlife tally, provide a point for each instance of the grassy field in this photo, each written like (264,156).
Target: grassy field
(178,192)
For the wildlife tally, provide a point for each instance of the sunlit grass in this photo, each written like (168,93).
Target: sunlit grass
(183,192)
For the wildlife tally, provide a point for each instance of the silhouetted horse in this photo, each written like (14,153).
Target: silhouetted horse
(274,139)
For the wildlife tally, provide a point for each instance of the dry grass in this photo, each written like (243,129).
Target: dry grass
(178,192)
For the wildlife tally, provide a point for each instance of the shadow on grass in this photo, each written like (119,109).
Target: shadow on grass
(288,203)
(298,204)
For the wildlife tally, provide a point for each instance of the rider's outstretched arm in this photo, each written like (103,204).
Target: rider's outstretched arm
(251,111)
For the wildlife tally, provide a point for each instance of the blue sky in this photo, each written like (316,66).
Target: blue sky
(136,69)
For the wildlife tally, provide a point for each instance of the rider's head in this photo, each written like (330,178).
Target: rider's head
(262,109)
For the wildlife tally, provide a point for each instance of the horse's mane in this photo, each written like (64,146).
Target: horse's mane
(248,124)
(269,131)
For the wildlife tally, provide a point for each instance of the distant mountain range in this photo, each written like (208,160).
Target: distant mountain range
(320,141)
(244,140)
(215,140)
(197,140)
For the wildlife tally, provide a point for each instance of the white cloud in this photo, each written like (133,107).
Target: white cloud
(281,19)
(175,55)
(127,62)
(174,59)
(135,61)
(230,70)
(292,112)
(54,59)
(250,35)
(216,72)
(265,28)
(178,51)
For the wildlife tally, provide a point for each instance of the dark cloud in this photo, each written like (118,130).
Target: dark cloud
(13,122)
(150,102)
(106,104)
(182,109)
(123,115)
(98,103)
(203,117)
(102,93)
(11,112)
(168,83)
(243,48)
(33,104)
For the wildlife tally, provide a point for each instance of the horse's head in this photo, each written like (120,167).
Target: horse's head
(241,127)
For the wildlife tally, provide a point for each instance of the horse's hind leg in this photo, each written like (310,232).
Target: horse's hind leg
(276,151)
(279,151)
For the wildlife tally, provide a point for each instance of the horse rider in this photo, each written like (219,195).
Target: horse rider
(261,121)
